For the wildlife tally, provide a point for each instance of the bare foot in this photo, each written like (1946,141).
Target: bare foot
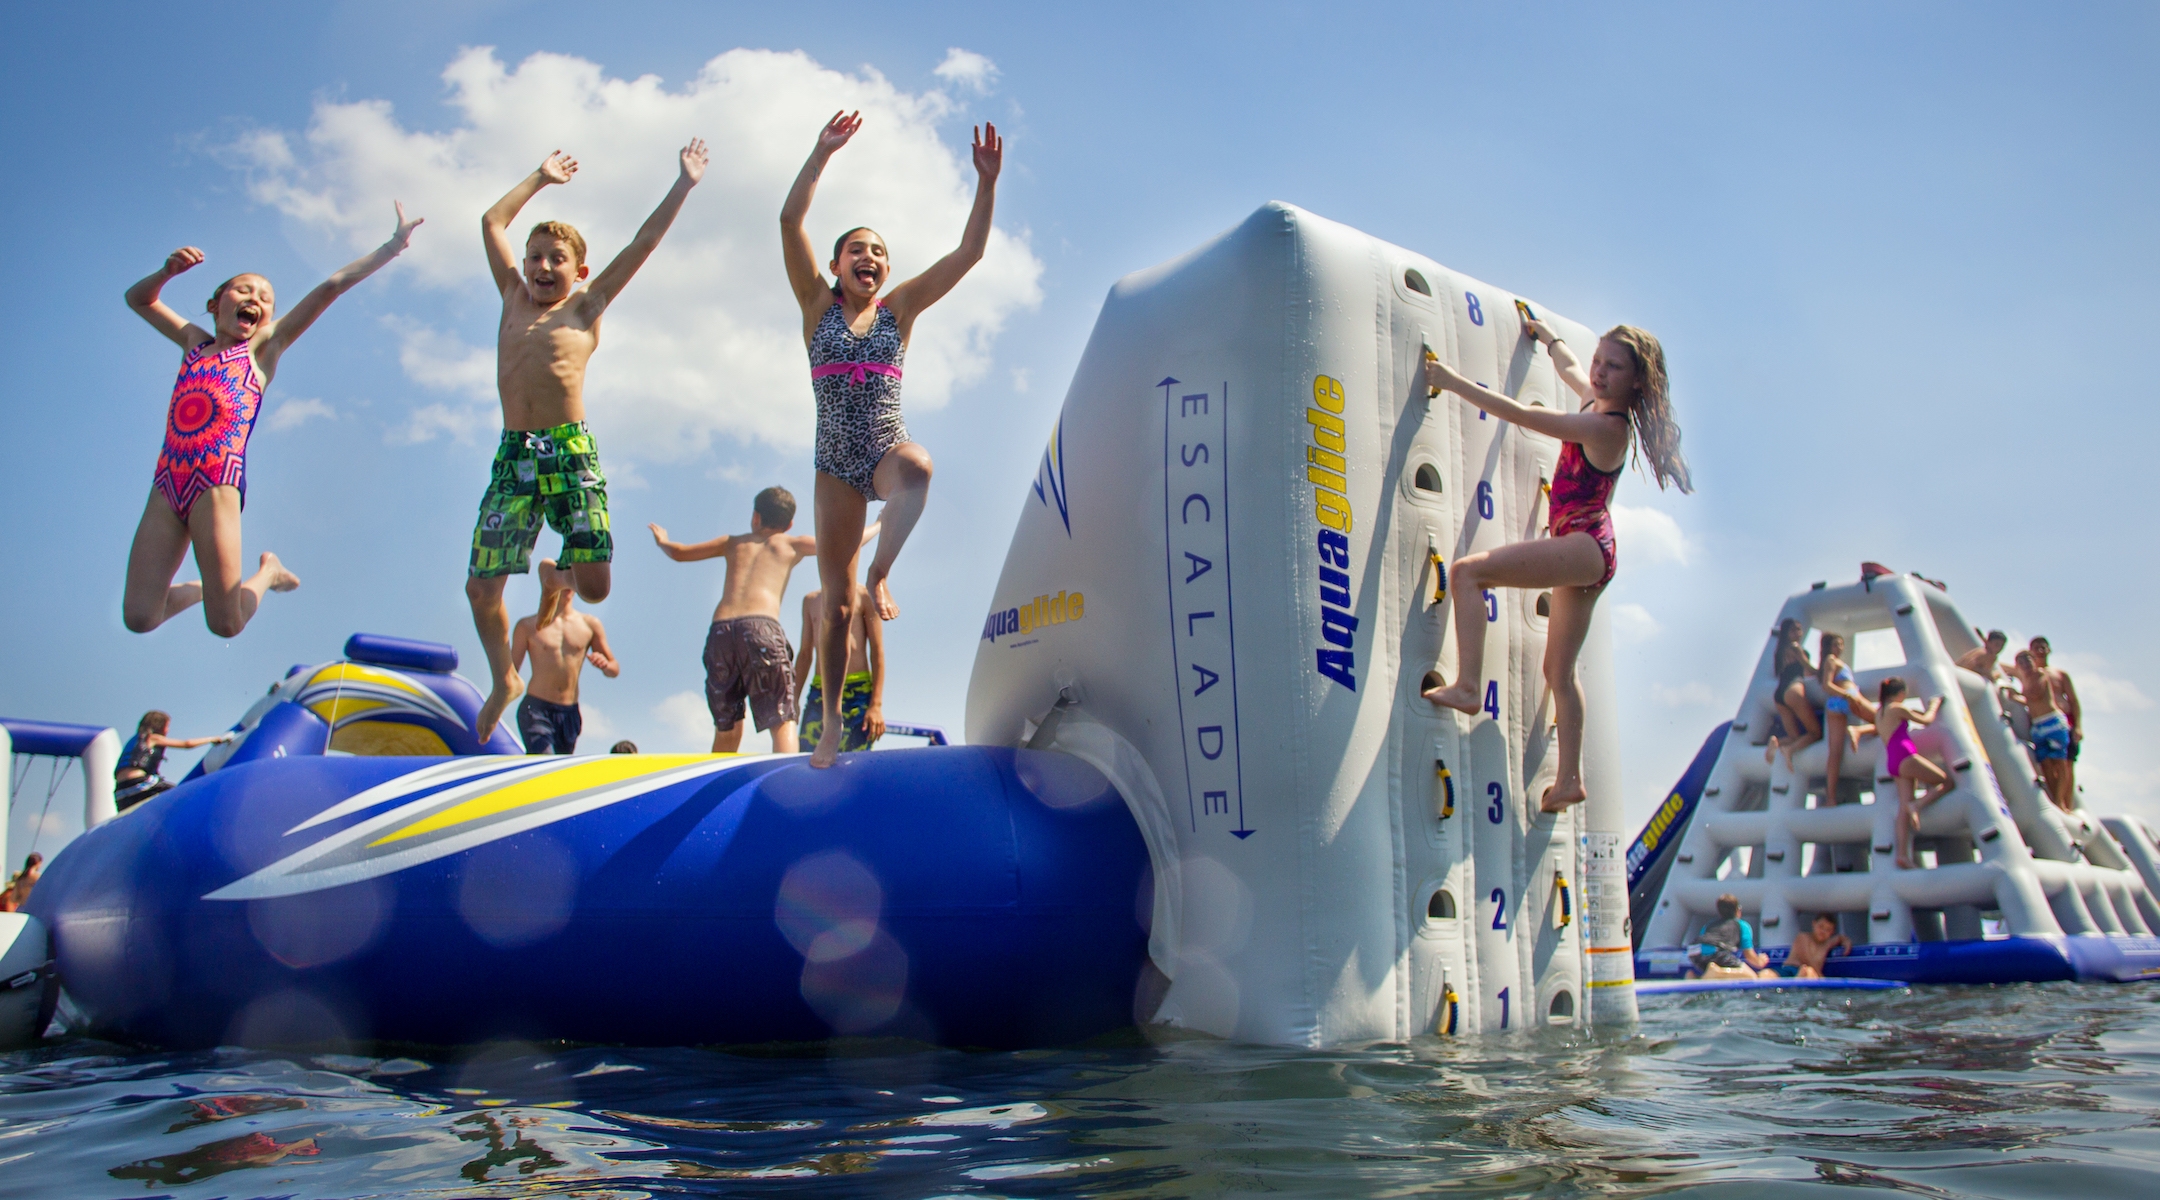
(1559,798)
(498,702)
(281,580)
(828,746)
(1903,863)
(1458,697)
(881,599)
(1770,755)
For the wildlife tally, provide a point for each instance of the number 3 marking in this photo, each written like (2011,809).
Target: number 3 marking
(1498,812)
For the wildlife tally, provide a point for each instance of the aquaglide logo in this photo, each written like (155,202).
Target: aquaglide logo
(1034,615)
(1326,469)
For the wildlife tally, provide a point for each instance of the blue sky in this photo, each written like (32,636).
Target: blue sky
(1901,258)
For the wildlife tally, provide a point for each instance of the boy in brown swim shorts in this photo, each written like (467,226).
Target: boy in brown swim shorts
(747,656)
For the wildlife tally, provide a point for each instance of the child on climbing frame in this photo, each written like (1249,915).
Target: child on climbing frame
(547,466)
(1902,760)
(1794,713)
(1847,715)
(1623,395)
(200,485)
(857,338)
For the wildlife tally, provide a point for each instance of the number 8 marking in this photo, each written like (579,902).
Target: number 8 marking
(1477,315)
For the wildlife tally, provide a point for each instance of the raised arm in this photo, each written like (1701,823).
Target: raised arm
(1601,432)
(143,299)
(502,253)
(796,249)
(693,553)
(874,647)
(606,285)
(909,299)
(1565,364)
(598,653)
(287,329)
(1927,715)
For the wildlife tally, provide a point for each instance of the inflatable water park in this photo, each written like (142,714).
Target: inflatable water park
(1200,786)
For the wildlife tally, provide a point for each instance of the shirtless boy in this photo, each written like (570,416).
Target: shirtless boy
(1981,660)
(2050,730)
(2066,699)
(547,467)
(1811,948)
(747,656)
(862,691)
(561,641)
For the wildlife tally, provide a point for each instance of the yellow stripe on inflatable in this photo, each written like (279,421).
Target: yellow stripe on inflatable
(598,772)
(338,708)
(355,673)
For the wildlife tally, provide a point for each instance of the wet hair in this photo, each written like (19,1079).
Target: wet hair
(1657,435)
(840,243)
(1728,905)
(2041,644)
(154,721)
(1891,688)
(625,746)
(775,506)
(561,231)
(1996,635)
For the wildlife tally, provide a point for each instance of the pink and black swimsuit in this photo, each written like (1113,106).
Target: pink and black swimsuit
(1581,499)
(857,381)
(214,403)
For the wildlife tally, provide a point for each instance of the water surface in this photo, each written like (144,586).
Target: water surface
(2030,1090)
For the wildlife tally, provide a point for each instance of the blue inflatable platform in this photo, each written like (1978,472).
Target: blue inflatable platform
(962,895)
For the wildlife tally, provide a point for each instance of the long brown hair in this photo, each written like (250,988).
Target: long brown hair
(153,721)
(1657,435)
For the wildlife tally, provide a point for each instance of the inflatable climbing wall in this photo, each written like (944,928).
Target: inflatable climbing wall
(1226,589)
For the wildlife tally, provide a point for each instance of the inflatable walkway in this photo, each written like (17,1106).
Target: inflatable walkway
(1201,787)
(2008,888)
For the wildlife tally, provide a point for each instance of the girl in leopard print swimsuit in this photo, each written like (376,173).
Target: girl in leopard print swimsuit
(857,340)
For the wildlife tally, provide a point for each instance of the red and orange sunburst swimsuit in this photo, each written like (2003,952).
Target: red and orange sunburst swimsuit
(214,403)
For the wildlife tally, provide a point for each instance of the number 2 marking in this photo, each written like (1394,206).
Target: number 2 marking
(1499,915)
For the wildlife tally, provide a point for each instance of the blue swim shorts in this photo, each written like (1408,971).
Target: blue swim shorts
(2051,738)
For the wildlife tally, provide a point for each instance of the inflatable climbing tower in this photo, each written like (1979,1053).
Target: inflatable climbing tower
(1226,591)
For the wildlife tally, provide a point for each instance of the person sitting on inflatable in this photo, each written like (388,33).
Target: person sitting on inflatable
(1726,947)
(1812,948)
(201,481)
(857,340)
(136,779)
(1623,392)
(547,467)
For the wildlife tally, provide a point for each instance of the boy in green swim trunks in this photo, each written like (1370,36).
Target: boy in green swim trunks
(547,467)
(862,693)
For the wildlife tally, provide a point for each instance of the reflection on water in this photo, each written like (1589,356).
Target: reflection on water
(2014,1091)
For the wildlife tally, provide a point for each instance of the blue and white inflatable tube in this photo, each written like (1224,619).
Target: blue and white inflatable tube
(964,895)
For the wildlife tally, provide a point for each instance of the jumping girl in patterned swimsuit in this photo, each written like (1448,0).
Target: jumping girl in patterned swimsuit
(857,341)
(201,480)
(1624,390)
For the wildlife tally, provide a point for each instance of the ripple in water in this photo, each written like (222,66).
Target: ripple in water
(2049,1090)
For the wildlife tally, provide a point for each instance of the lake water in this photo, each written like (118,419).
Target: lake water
(2048,1090)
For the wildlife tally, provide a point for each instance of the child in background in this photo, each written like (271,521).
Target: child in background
(1894,719)
(857,339)
(2049,730)
(1811,949)
(1844,704)
(862,703)
(201,481)
(136,778)
(1793,710)
(1726,947)
(561,641)
(547,467)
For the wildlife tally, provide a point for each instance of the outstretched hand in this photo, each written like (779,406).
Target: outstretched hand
(694,157)
(558,168)
(405,226)
(989,152)
(1441,377)
(185,258)
(1537,330)
(659,535)
(838,130)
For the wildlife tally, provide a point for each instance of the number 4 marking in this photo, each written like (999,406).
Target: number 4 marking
(1492,698)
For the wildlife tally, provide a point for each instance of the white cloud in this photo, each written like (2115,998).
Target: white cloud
(2098,691)
(600,732)
(1633,623)
(293,413)
(1649,536)
(687,723)
(1687,695)
(707,341)
(967,69)
(1020,379)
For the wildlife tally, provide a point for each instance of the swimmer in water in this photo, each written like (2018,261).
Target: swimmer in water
(1623,394)
(857,339)
(1902,760)
(200,484)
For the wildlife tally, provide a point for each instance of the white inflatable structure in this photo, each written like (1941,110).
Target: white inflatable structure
(1998,862)
(1225,592)
(24,947)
